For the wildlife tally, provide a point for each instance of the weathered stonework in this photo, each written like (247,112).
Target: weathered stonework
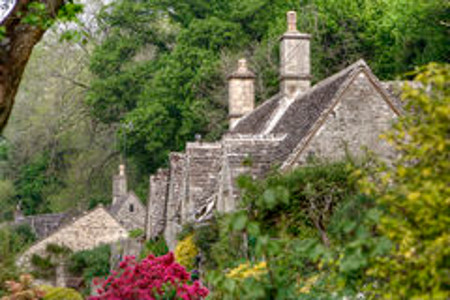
(130,212)
(177,191)
(157,202)
(355,121)
(241,93)
(203,165)
(295,73)
(119,185)
(85,232)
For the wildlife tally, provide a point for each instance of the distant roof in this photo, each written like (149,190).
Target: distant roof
(44,224)
(114,209)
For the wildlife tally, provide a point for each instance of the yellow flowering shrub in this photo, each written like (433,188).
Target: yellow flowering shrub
(57,293)
(186,251)
(246,270)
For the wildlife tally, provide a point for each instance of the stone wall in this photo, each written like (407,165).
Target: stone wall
(355,122)
(176,197)
(86,232)
(203,167)
(157,201)
(132,213)
(245,154)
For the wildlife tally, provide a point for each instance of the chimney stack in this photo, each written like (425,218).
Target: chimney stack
(295,70)
(119,184)
(241,93)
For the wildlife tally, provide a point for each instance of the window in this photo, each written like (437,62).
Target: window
(131,207)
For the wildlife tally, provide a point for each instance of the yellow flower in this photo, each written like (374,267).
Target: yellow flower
(245,270)
(186,251)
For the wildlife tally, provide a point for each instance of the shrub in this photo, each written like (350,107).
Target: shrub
(246,270)
(23,290)
(58,293)
(90,263)
(152,278)
(157,247)
(186,251)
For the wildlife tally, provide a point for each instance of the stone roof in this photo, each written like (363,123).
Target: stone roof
(306,109)
(254,122)
(44,224)
(297,117)
(64,226)
(114,208)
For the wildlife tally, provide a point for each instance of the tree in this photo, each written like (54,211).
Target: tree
(414,193)
(21,31)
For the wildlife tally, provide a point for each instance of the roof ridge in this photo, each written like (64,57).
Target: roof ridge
(360,63)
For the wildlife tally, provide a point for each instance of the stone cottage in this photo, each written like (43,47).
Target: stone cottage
(87,231)
(340,114)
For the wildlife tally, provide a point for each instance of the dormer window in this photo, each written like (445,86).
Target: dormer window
(131,208)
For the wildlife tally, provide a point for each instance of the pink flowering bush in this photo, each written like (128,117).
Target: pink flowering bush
(153,278)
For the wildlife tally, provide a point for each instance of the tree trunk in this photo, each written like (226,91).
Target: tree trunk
(15,50)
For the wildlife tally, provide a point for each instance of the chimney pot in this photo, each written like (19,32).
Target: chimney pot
(292,20)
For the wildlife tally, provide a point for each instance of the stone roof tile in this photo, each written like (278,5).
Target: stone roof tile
(255,121)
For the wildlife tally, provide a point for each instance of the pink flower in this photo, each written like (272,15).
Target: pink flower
(148,278)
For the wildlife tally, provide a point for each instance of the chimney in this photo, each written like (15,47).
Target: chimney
(119,184)
(295,67)
(241,93)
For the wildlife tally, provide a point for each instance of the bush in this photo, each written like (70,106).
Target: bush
(23,290)
(157,247)
(186,252)
(90,263)
(154,277)
(59,293)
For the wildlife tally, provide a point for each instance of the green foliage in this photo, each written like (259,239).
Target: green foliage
(163,64)
(205,237)
(38,14)
(414,193)
(136,233)
(33,180)
(7,193)
(44,267)
(56,293)
(13,240)
(157,247)
(90,263)
(286,223)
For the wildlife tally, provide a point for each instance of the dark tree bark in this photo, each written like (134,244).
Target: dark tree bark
(15,50)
